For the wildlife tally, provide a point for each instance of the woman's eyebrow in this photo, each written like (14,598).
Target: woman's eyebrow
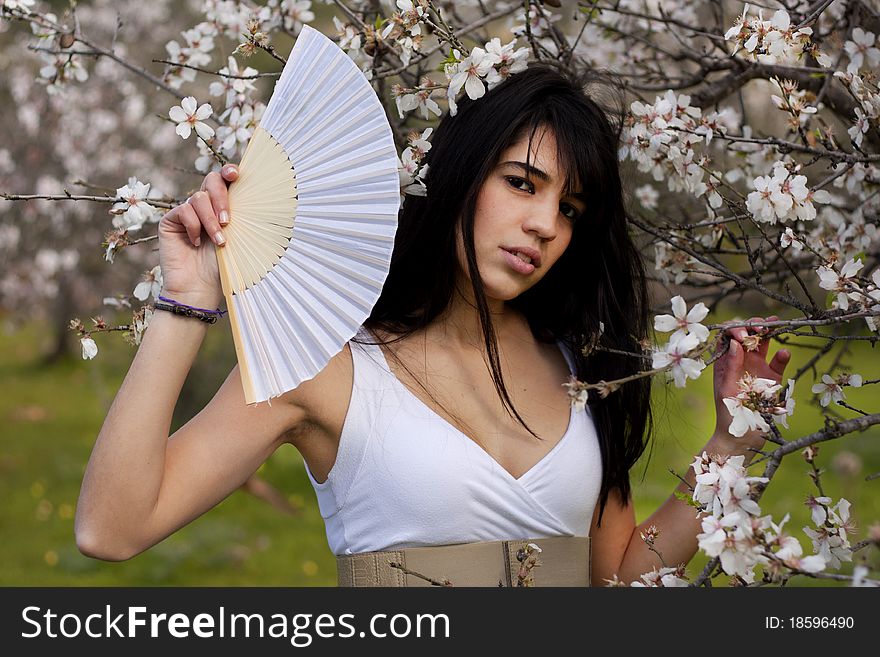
(528,168)
(542,175)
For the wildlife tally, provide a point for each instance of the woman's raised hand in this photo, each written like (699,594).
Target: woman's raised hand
(188,234)
(738,360)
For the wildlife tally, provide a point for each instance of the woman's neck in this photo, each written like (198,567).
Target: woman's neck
(459,325)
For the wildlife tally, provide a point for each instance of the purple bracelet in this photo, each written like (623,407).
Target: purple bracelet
(203,314)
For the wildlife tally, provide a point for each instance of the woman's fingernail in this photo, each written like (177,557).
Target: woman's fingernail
(218,237)
(198,241)
(224,217)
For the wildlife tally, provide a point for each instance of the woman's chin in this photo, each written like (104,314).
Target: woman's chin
(505,289)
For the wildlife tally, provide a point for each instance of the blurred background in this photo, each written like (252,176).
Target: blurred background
(88,140)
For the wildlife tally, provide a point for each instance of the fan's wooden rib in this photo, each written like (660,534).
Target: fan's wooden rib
(244,366)
(259,231)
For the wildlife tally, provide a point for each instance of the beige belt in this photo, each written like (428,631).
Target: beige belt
(561,561)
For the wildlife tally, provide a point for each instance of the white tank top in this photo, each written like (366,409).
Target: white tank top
(405,477)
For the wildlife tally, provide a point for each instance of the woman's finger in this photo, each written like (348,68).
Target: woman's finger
(215,186)
(201,202)
(187,217)
(780,360)
(229,172)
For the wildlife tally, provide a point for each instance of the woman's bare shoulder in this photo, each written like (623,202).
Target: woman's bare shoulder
(325,397)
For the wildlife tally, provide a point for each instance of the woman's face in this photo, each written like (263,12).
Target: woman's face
(520,209)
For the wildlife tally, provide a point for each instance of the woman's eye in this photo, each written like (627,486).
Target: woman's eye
(570,211)
(517,182)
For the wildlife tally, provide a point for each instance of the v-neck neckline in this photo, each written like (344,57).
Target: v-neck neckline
(473,442)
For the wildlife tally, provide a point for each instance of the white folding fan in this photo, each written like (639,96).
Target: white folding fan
(313,216)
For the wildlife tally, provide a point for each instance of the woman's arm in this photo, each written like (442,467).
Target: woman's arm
(617,546)
(139,485)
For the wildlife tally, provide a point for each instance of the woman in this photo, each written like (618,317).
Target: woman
(444,420)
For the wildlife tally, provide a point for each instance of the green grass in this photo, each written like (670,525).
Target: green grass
(52,414)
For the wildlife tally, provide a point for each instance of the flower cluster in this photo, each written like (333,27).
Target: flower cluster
(410,165)
(722,485)
(688,335)
(795,102)
(351,41)
(405,27)
(784,196)
(848,287)
(734,531)
(199,43)
(832,526)
(418,98)
(482,67)
(774,41)
(133,211)
(665,577)
(661,138)
(866,92)
(755,398)
(293,14)
(831,389)
(233,82)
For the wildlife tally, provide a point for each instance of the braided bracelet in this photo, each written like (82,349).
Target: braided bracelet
(202,314)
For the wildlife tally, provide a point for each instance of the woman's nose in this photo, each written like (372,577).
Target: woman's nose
(542,220)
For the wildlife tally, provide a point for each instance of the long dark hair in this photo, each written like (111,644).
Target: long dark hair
(599,278)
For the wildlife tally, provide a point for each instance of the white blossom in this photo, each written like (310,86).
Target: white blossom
(647,196)
(683,322)
(731,538)
(818,509)
(674,354)
(230,85)
(842,282)
(89,348)
(860,128)
(189,117)
(862,47)
(788,238)
(756,396)
(665,577)
(830,538)
(151,285)
(23,5)
(133,211)
(832,389)
(723,486)
(469,73)
(577,393)
(508,60)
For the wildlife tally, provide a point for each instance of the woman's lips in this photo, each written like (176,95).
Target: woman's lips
(516,264)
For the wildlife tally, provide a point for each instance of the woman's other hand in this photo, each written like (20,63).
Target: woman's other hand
(747,352)
(188,235)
